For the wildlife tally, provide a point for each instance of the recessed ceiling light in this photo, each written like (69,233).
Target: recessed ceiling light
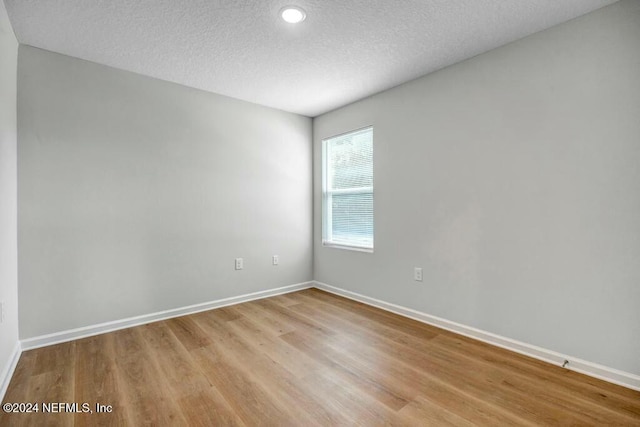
(292,14)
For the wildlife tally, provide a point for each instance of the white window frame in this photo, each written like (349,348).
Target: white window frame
(327,225)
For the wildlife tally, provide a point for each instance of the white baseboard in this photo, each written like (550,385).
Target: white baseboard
(7,372)
(87,331)
(588,368)
(595,370)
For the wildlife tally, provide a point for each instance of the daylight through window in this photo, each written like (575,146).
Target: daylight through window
(348,190)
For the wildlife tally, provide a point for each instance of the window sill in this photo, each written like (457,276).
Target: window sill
(348,248)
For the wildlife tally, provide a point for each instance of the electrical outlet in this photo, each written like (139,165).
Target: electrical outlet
(275,260)
(239,263)
(417,274)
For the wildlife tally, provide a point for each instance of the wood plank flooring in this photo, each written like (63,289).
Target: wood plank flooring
(306,358)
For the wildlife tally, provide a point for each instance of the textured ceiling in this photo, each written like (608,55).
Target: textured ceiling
(344,50)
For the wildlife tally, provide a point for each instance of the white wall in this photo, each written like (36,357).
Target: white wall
(135,195)
(513,180)
(8,207)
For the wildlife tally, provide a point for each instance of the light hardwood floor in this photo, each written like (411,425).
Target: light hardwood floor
(306,358)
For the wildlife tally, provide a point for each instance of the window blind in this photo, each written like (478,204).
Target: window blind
(348,189)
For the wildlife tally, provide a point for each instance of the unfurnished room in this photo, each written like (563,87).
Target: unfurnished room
(319,213)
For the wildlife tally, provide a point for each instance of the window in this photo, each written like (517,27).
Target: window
(347,190)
